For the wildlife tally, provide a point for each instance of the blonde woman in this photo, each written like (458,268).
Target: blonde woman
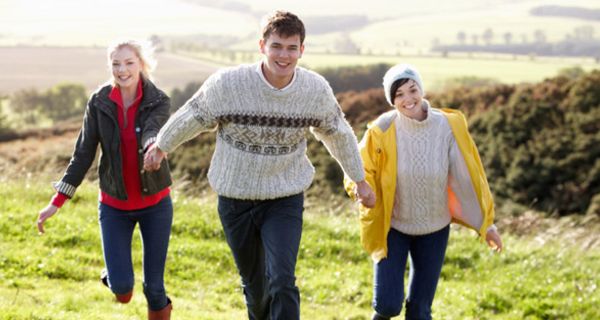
(124,117)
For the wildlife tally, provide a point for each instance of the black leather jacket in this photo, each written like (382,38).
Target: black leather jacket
(101,126)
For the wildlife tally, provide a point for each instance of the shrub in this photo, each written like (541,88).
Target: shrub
(60,102)
(355,78)
(6,131)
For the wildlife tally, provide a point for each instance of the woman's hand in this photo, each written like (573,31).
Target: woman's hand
(153,157)
(44,214)
(365,194)
(493,240)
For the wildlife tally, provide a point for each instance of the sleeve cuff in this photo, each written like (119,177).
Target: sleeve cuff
(59,199)
(492,227)
(64,188)
(149,142)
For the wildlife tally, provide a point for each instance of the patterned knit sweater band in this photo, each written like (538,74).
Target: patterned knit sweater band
(260,151)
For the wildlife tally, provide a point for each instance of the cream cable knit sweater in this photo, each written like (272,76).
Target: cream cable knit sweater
(261,145)
(425,151)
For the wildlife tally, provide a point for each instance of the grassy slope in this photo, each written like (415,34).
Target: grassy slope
(419,30)
(54,276)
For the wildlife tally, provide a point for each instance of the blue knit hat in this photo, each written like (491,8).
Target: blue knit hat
(397,72)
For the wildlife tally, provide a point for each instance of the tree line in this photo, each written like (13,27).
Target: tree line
(580,42)
(566,11)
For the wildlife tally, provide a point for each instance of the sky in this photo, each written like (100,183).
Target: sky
(65,22)
(86,23)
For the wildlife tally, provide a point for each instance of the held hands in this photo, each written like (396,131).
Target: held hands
(153,157)
(365,194)
(44,214)
(492,238)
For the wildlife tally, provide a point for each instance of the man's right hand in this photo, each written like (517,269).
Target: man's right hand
(153,157)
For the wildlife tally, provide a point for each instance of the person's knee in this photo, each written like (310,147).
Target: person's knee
(281,283)
(254,288)
(121,286)
(387,309)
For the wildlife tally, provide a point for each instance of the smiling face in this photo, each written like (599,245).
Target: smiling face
(281,58)
(408,100)
(126,68)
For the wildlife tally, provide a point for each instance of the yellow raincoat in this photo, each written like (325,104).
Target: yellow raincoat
(378,151)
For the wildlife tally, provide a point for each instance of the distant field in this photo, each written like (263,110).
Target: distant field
(436,70)
(44,67)
(418,31)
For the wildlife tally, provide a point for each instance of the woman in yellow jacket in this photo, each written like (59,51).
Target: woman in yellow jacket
(426,173)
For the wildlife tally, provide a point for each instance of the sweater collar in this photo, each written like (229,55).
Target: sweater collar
(411,124)
(264,79)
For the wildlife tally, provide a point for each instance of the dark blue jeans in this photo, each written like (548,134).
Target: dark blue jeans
(264,237)
(426,258)
(117,227)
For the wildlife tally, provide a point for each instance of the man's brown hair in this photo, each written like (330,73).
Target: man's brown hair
(283,23)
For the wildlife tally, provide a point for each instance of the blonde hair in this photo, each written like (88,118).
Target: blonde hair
(144,50)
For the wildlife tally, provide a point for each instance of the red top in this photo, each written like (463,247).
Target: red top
(129,153)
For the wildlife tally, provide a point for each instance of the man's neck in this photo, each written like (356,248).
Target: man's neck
(277,82)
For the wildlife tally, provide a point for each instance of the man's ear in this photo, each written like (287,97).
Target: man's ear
(261,45)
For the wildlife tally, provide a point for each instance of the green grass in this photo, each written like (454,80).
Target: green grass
(55,276)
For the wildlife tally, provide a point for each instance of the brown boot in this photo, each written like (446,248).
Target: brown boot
(124,298)
(162,314)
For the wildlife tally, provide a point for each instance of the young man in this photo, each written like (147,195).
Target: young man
(259,168)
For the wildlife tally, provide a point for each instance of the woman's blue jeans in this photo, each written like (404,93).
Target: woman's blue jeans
(264,237)
(117,227)
(426,254)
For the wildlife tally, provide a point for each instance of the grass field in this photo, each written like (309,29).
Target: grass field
(55,276)
(413,32)
(44,67)
(436,70)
